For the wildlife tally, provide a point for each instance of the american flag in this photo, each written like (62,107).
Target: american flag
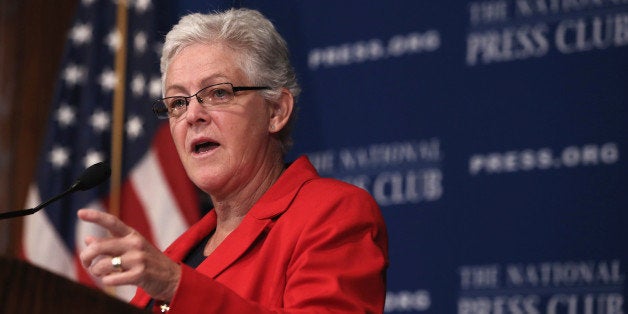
(156,197)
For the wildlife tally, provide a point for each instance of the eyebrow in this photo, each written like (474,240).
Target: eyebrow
(212,79)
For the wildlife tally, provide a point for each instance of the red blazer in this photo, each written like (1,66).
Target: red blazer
(308,245)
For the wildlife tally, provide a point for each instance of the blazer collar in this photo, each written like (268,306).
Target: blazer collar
(279,196)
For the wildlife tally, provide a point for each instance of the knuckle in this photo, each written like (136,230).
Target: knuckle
(136,241)
(94,270)
(96,247)
(142,260)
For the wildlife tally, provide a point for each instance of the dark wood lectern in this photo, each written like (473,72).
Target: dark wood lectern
(29,289)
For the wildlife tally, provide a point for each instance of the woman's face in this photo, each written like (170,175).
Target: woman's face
(221,148)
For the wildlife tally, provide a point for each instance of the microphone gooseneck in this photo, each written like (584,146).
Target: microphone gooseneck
(91,177)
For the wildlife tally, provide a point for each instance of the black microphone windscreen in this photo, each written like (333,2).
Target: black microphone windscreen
(92,176)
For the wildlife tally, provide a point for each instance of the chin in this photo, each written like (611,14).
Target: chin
(206,181)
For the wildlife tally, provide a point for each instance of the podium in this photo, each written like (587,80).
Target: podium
(28,289)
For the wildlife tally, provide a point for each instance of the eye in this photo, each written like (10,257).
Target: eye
(215,95)
(219,93)
(176,103)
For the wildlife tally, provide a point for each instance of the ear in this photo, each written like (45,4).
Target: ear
(281,111)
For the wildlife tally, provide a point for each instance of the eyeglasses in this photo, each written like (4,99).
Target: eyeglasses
(210,96)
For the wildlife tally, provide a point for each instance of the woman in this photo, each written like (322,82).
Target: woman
(278,239)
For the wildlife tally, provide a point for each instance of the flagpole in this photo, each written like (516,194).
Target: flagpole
(117,128)
(117,135)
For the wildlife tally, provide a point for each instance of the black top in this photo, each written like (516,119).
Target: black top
(196,256)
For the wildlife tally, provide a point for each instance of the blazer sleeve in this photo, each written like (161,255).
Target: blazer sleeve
(341,258)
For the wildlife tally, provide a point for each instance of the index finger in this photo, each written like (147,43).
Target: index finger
(105,220)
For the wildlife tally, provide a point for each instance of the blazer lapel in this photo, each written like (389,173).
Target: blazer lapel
(233,246)
(259,219)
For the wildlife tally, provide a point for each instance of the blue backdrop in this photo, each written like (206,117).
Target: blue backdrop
(492,133)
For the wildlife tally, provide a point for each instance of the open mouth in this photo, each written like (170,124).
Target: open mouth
(204,147)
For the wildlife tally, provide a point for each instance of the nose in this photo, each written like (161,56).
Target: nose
(195,112)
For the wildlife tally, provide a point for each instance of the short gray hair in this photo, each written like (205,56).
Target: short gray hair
(263,53)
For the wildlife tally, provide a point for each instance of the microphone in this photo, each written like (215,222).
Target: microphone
(91,177)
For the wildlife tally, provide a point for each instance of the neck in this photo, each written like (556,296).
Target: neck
(231,209)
